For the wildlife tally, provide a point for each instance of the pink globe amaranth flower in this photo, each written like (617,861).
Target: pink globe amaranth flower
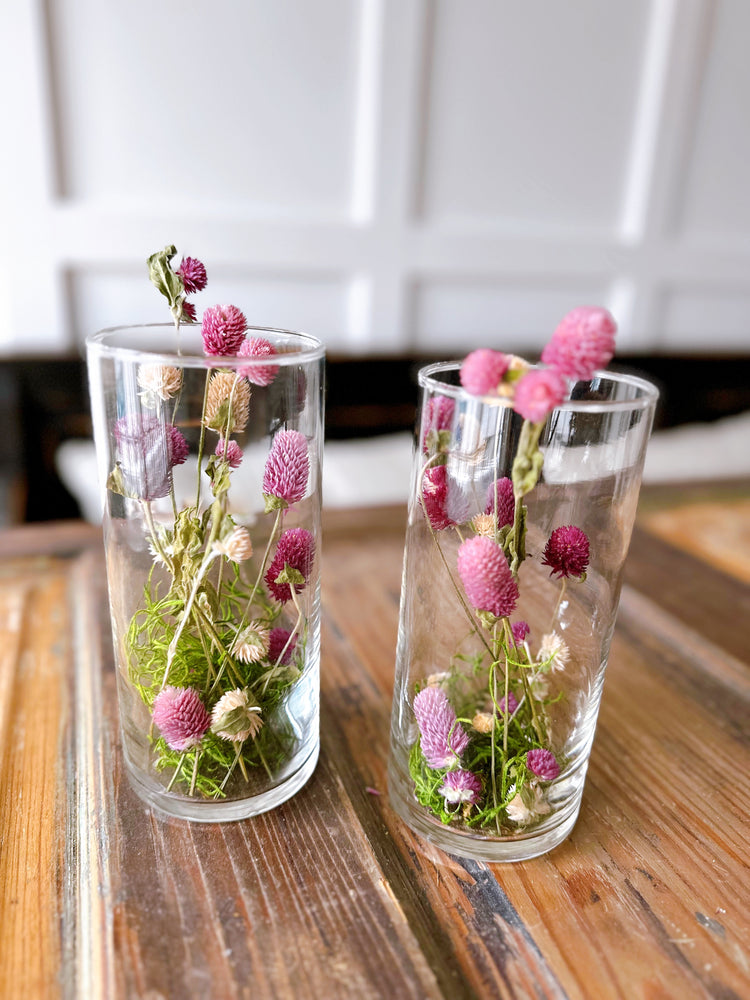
(542,763)
(567,552)
(437,416)
(296,548)
(442,738)
(287,467)
(461,786)
(231,453)
(482,371)
(145,451)
(223,330)
(188,311)
(277,640)
(583,341)
(257,347)
(181,717)
(512,703)
(178,446)
(435,496)
(520,630)
(500,494)
(486,576)
(193,274)
(538,392)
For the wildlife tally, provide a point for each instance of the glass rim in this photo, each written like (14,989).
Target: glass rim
(648,397)
(100,342)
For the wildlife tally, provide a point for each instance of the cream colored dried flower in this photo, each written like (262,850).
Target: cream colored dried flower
(227,403)
(483,722)
(518,811)
(553,650)
(252,643)
(438,680)
(238,546)
(235,717)
(516,368)
(163,381)
(484,524)
(525,807)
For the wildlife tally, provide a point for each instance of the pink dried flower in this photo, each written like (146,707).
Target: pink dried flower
(520,630)
(435,497)
(188,312)
(500,496)
(438,416)
(543,764)
(223,330)
(512,703)
(230,452)
(278,643)
(583,341)
(538,392)
(486,576)
(296,549)
(178,446)
(181,717)
(193,274)
(482,371)
(287,467)
(257,347)
(567,552)
(145,451)
(442,738)
(461,786)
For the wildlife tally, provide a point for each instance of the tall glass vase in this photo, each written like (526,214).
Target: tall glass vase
(211,475)
(494,710)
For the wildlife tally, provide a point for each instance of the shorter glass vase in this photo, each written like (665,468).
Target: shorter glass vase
(211,469)
(494,711)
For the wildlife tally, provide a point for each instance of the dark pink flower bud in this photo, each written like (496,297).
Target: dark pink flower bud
(567,552)
(461,786)
(188,311)
(296,549)
(193,275)
(512,703)
(178,446)
(500,497)
(486,576)
(287,467)
(232,454)
(542,763)
(520,630)
(435,497)
(278,643)
(223,330)
(181,717)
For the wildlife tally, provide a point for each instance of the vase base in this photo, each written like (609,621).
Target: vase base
(201,811)
(523,846)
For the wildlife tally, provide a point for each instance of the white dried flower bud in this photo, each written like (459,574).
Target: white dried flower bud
(252,643)
(163,381)
(553,650)
(483,722)
(234,717)
(237,547)
(484,524)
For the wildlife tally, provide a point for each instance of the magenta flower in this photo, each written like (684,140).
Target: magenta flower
(512,703)
(232,453)
(287,467)
(277,640)
(188,311)
(461,786)
(181,717)
(482,371)
(442,738)
(296,550)
(435,497)
(193,275)
(542,763)
(500,496)
(178,446)
(486,576)
(520,630)
(583,341)
(538,392)
(223,330)
(257,347)
(567,552)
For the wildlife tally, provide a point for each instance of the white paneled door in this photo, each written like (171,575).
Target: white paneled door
(391,175)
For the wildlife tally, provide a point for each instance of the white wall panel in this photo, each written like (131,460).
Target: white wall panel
(690,314)
(529,110)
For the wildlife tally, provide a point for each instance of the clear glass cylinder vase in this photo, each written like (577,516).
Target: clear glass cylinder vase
(508,607)
(211,473)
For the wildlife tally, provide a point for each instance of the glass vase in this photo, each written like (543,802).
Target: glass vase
(211,475)
(510,589)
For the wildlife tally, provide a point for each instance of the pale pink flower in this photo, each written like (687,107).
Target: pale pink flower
(482,371)
(486,576)
(236,717)
(512,703)
(543,764)
(238,546)
(181,717)
(232,453)
(223,330)
(257,347)
(583,341)
(500,496)
(461,786)
(287,467)
(567,552)
(437,416)
(193,274)
(442,738)
(435,496)
(296,549)
(538,392)
(251,644)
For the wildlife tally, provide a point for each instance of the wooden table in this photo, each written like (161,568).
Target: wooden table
(330,895)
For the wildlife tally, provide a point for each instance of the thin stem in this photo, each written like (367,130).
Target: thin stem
(202,439)
(177,770)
